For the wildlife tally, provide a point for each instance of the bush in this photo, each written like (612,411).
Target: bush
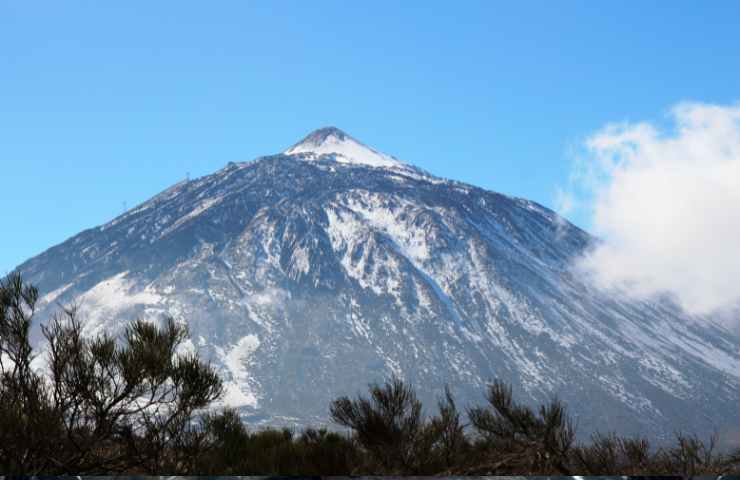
(134,405)
(520,441)
(104,405)
(388,425)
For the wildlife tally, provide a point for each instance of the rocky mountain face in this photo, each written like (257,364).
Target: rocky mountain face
(305,275)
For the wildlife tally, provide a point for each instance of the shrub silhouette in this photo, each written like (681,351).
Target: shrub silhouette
(233,450)
(611,453)
(104,405)
(451,444)
(30,424)
(519,440)
(135,405)
(388,425)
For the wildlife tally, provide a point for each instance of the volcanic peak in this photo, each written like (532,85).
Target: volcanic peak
(333,142)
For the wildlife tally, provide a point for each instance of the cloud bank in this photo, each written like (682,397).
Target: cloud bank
(666,204)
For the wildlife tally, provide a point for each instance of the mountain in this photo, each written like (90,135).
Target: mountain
(307,274)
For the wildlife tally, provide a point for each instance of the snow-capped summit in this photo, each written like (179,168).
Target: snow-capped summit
(345,149)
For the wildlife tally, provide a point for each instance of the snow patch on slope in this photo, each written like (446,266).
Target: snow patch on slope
(102,305)
(53,295)
(197,211)
(237,391)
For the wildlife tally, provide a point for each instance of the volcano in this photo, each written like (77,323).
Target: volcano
(307,274)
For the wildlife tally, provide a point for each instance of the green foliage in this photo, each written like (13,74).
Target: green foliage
(29,421)
(522,441)
(388,425)
(232,449)
(103,405)
(134,405)
(452,446)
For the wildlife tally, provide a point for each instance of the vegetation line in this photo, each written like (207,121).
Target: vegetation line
(135,405)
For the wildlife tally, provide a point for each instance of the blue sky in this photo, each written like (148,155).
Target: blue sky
(103,103)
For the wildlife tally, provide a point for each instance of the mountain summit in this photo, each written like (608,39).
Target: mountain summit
(319,136)
(305,275)
(331,141)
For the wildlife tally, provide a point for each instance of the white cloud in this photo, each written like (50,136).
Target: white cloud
(666,204)
(565,201)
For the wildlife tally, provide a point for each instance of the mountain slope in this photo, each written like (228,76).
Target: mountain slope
(308,274)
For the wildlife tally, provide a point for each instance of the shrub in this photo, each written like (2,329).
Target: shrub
(520,441)
(104,405)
